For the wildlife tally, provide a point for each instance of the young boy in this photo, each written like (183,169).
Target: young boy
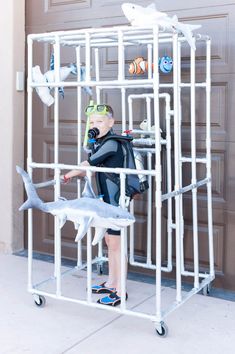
(107,154)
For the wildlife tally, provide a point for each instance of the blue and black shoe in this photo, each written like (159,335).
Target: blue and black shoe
(111,300)
(102,289)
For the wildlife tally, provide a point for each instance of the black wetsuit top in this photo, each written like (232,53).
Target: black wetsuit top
(107,154)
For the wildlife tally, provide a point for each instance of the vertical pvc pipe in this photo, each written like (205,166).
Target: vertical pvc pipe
(193,170)
(149,212)
(149,163)
(29,157)
(79,140)
(89,254)
(158,202)
(130,109)
(88,56)
(89,257)
(98,90)
(180,160)
(148,106)
(121,58)
(123,244)
(150,61)
(169,180)
(208,156)
(132,244)
(123,94)
(177,168)
(97,74)
(57,231)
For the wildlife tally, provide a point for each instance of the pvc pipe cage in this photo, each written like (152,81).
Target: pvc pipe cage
(151,39)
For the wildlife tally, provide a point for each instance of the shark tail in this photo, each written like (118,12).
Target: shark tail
(186,31)
(26,205)
(33,200)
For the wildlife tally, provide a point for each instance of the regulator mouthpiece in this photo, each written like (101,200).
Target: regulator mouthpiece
(93,133)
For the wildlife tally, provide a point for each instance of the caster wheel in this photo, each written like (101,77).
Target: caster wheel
(162,330)
(39,300)
(99,269)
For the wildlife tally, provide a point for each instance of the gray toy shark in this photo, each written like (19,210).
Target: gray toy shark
(85,212)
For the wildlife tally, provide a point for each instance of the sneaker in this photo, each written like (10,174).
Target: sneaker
(102,289)
(111,300)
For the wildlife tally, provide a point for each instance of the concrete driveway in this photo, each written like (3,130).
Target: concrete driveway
(202,325)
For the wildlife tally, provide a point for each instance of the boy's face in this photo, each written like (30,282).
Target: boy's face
(102,122)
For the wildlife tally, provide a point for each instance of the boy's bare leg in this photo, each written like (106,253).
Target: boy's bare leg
(114,254)
(112,279)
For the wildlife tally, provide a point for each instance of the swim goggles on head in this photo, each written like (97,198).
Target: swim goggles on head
(103,109)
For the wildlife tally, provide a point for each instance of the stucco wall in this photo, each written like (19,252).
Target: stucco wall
(12,39)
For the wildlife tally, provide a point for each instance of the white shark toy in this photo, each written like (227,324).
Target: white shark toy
(147,16)
(65,71)
(85,212)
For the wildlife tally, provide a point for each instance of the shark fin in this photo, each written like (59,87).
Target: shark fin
(84,226)
(151,7)
(99,234)
(26,205)
(62,220)
(88,190)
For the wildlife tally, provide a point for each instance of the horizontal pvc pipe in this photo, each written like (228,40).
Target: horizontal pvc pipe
(91,168)
(185,189)
(189,159)
(98,31)
(149,266)
(95,305)
(111,84)
(186,297)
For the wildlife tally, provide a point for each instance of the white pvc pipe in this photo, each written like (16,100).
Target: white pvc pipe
(158,173)
(29,157)
(130,113)
(88,58)
(180,159)
(123,245)
(97,74)
(169,181)
(193,169)
(121,57)
(114,84)
(149,163)
(132,244)
(57,232)
(123,100)
(79,140)
(150,61)
(149,212)
(117,170)
(98,92)
(89,257)
(176,165)
(208,157)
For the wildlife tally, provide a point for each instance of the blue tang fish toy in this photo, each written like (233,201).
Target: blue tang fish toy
(165,64)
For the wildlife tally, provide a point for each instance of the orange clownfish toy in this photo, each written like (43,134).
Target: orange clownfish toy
(139,66)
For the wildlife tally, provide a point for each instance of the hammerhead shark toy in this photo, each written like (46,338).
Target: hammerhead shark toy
(147,16)
(85,212)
